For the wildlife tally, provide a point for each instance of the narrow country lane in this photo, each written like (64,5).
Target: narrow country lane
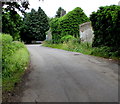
(62,76)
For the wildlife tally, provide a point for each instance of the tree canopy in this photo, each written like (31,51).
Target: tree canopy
(106,26)
(35,25)
(11,24)
(11,20)
(14,6)
(60,12)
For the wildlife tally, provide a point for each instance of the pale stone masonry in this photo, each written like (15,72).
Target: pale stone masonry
(49,35)
(86,32)
(119,3)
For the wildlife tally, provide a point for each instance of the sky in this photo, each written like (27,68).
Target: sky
(51,6)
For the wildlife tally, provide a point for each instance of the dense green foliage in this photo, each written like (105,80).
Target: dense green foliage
(11,20)
(66,38)
(105,52)
(54,25)
(35,24)
(106,26)
(60,12)
(11,24)
(68,24)
(15,58)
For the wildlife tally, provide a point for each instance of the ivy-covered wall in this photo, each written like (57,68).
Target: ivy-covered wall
(68,24)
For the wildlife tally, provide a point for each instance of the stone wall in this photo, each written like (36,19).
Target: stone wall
(86,32)
(119,3)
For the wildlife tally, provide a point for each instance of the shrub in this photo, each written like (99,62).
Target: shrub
(6,39)
(66,38)
(106,26)
(101,51)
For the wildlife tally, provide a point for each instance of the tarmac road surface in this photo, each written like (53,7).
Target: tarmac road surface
(62,76)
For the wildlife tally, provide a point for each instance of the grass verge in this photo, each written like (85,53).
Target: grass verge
(15,59)
(16,66)
(85,48)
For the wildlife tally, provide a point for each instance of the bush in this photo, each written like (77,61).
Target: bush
(101,51)
(106,26)
(15,58)
(105,52)
(68,24)
(66,38)
(6,39)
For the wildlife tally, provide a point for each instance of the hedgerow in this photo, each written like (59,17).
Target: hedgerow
(15,58)
(106,26)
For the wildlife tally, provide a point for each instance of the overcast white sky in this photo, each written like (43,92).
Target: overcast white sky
(51,6)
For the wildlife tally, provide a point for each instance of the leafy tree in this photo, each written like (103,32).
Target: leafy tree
(106,26)
(14,6)
(35,26)
(60,12)
(11,20)
(11,24)
(42,24)
(26,33)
